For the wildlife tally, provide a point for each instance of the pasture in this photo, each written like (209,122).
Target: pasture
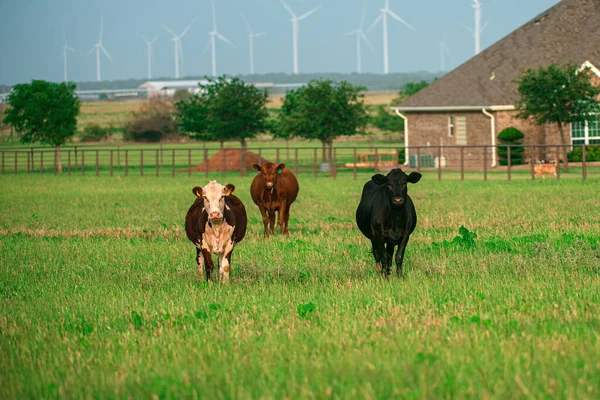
(100,298)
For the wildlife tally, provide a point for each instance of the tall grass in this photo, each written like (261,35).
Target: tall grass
(99,294)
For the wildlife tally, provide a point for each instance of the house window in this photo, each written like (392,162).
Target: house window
(461,130)
(451,126)
(586,132)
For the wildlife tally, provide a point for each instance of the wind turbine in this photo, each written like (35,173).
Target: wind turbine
(478,29)
(212,42)
(384,12)
(97,47)
(149,52)
(444,51)
(65,49)
(295,26)
(251,36)
(177,44)
(360,34)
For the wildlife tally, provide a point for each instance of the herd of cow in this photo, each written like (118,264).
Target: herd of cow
(217,220)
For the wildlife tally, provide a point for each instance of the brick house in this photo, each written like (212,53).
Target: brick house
(473,103)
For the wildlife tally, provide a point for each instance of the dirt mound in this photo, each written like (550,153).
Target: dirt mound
(231,158)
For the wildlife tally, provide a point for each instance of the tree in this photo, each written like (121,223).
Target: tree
(323,110)
(412,88)
(386,121)
(511,136)
(45,112)
(557,95)
(225,109)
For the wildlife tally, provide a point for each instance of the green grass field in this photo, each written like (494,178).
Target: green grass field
(100,298)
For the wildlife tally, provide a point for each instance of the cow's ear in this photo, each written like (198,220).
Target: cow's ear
(379,179)
(197,191)
(228,189)
(256,167)
(414,177)
(280,167)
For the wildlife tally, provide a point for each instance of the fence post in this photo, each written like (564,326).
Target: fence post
(277,158)
(558,162)
(376,159)
(173,163)
(508,161)
(32,159)
(126,162)
(418,159)
(485,162)
(69,162)
(205,162)
(462,163)
(439,163)
(141,162)
(334,170)
(354,169)
(157,151)
(189,163)
(119,156)
(162,160)
(315,163)
(97,159)
(296,160)
(583,163)
(111,162)
(76,163)
(16,160)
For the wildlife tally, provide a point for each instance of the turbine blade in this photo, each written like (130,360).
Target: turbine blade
(207,46)
(485,25)
(143,37)
(397,18)
(101,28)
(467,28)
(187,28)
(375,22)
(92,50)
(168,30)
(351,32)
(214,14)
(223,38)
(154,40)
(288,9)
(300,18)
(259,34)
(247,24)
(70,48)
(362,35)
(362,18)
(106,53)
(447,51)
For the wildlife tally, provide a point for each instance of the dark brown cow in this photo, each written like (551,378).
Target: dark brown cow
(274,189)
(215,223)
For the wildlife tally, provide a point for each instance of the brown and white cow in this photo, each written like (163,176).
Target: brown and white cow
(274,189)
(215,223)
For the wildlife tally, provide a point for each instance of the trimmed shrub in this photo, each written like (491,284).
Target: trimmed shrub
(152,123)
(591,154)
(510,136)
(94,133)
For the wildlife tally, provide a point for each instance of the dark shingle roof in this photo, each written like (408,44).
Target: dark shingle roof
(567,32)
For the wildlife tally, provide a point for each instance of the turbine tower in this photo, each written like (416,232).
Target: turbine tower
(384,12)
(99,47)
(251,36)
(477,31)
(177,44)
(149,52)
(212,42)
(360,34)
(65,49)
(444,51)
(295,26)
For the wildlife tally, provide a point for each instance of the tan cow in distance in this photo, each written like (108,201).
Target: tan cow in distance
(273,190)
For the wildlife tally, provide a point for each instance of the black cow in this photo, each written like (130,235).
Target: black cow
(215,223)
(386,215)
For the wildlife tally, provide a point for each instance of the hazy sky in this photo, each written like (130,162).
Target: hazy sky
(31,35)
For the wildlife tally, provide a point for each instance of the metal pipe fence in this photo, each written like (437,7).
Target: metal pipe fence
(451,161)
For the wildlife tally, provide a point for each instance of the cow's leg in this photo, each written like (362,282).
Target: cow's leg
(272,221)
(389,257)
(265,217)
(400,254)
(208,264)
(286,218)
(281,219)
(224,263)
(378,251)
(200,263)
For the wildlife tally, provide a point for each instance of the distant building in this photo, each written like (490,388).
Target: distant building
(169,88)
(473,103)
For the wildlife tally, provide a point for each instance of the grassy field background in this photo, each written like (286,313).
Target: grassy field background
(99,297)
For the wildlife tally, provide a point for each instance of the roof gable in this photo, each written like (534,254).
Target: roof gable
(567,32)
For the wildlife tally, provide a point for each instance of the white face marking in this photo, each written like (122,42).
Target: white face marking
(214,201)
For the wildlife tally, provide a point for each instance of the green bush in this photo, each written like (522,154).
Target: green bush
(401,156)
(510,136)
(591,154)
(152,123)
(94,133)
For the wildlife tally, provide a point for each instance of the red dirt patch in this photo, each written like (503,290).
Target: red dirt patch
(231,158)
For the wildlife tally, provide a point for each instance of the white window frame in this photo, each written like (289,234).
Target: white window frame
(586,137)
(451,126)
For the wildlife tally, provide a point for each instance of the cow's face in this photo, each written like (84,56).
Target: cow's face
(213,196)
(396,183)
(269,171)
